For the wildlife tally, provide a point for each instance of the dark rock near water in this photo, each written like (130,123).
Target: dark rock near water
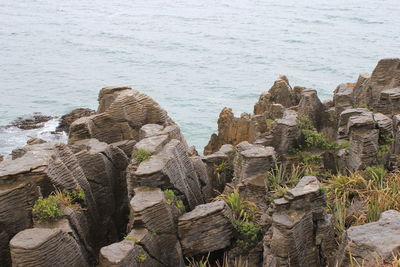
(67,119)
(34,121)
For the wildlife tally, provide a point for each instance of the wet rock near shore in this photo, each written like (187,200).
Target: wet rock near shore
(34,121)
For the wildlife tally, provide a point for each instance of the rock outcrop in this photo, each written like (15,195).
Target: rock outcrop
(301,234)
(67,119)
(205,229)
(372,244)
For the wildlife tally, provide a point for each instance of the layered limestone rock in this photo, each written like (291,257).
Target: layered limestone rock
(205,229)
(285,132)
(343,97)
(19,180)
(219,167)
(311,106)
(150,210)
(231,130)
(372,244)
(172,168)
(301,234)
(132,251)
(364,141)
(252,160)
(122,112)
(46,247)
(386,75)
(67,119)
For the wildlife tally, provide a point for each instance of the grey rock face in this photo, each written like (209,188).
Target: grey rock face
(389,101)
(386,75)
(253,160)
(372,244)
(343,97)
(207,228)
(46,247)
(299,228)
(285,132)
(171,168)
(150,210)
(311,106)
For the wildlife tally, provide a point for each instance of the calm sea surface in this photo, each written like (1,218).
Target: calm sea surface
(193,57)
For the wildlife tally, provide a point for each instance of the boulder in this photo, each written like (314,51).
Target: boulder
(46,247)
(67,119)
(205,229)
(372,244)
(279,93)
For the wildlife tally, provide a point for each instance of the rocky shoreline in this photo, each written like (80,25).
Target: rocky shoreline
(127,190)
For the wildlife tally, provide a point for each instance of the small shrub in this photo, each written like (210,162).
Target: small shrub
(308,158)
(305,123)
(376,175)
(169,195)
(154,233)
(314,139)
(345,144)
(280,179)
(179,205)
(386,139)
(269,123)
(47,209)
(249,234)
(142,154)
(141,258)
(383,150)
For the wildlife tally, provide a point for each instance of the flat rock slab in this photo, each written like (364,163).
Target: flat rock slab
(374,242)
(207,228)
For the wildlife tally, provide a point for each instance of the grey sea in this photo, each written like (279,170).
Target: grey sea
(193,57)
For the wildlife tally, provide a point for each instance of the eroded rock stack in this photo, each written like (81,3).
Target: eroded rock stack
(148,199)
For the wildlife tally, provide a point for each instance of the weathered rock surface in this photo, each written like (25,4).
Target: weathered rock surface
(301,235)
(252,160)
(231,130)
(46,247)
(150,210)
(34,121)
(67,119)
(169,169)
(131,251)
(122,112)
(386,75)
(207,228)
(372,244)
(343,97)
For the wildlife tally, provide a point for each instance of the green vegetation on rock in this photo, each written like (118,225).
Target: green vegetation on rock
(142,155)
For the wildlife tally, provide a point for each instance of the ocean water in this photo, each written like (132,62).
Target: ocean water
(193,57)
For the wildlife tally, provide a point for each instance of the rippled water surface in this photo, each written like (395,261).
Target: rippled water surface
(193,57)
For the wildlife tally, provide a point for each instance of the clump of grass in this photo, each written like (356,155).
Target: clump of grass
(222,167)
(242,209)
(203,262)
(142,155)
(374,188)
(280,179)
(179,205)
